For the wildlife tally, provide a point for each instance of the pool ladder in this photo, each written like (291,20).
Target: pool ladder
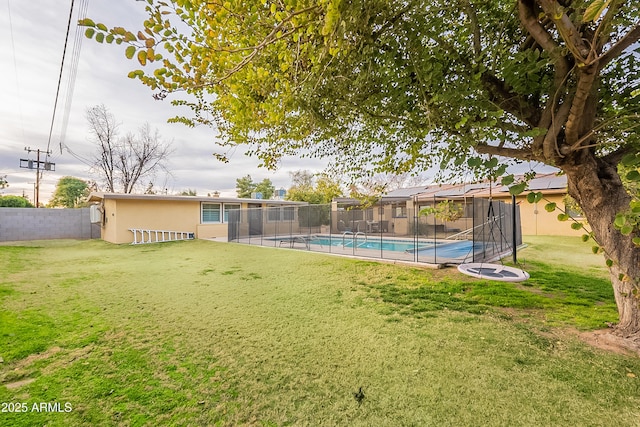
(354,238)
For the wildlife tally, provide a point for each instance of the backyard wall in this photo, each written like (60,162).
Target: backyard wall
(42,224)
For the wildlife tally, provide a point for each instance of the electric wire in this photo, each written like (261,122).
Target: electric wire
(64,52)
(73,70)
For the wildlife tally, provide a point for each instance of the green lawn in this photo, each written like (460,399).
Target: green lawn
(206,333)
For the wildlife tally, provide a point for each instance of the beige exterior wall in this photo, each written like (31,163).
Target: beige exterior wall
(212,231)
(537,221)
(121,215)
(176,215)
(110,226)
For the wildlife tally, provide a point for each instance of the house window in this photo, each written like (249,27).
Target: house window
(280,213)
(288,213)
(369,214)
(273,213)
(211,213)
(230,207)
(400,212)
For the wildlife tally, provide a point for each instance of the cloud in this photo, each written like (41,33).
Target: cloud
(31,45)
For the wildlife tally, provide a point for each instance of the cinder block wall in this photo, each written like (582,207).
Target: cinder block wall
(42,224)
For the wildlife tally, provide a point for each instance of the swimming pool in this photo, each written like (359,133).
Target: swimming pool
(427,251)
(394,245)
(441,249)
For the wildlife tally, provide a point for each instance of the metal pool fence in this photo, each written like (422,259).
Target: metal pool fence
(426,231)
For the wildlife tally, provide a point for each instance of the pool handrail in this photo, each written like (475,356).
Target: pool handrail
(354,239)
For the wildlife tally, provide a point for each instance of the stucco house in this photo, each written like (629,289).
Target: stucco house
(120,215)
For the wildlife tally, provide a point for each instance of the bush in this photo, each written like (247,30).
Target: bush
(14,202)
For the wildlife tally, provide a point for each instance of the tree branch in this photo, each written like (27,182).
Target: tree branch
(629,39)
(567,30)
(475,27)
(502,96)
(516,153)
(586,80)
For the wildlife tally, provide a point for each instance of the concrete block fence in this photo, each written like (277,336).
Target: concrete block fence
(43,224)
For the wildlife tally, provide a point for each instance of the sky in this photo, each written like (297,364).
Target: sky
(32,38)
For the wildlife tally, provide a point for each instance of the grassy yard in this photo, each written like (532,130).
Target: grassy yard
(205,333)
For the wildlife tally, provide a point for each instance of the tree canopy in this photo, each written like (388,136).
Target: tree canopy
(69,192)
(15,202)
(245,187)
(386,86)
(315,189)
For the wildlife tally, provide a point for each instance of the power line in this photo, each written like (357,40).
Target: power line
(77,156)
(64,52)
(73,70)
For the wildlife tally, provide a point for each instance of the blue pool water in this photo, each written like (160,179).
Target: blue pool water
(375,244)
(453,250)
(441,249)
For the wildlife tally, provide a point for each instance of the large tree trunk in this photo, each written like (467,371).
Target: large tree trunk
(601,195)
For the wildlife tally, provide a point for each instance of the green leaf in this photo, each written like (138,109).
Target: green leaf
(474,162)
(576,226)
(550,207)
(508,180)
(620,220)
(595,249)
(517,189)
(89,33)
(136,73)
(462,122)
(142,57)
(102,27)
(626,229)
(537,196)
(585,238)
(594,10)
(130,51)
(563,217)
(609,263)
(633,175)
(100,37)
(636,241)
(492,163)
(630,160)
(86,22)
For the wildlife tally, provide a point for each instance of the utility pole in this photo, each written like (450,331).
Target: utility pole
(29,164)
